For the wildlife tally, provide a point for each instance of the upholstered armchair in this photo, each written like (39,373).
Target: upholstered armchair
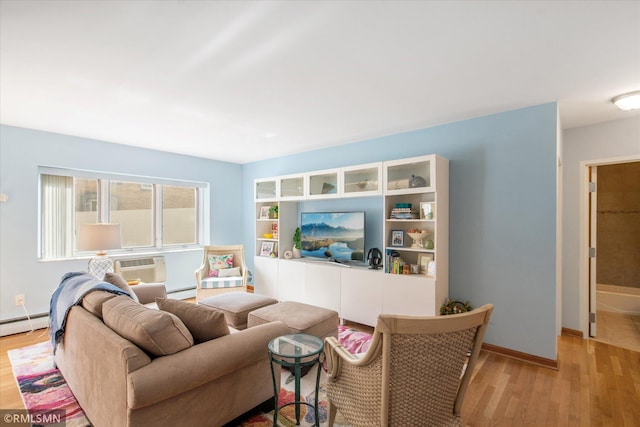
(415,372)
(219,273)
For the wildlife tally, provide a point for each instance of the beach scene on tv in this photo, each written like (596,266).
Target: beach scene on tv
(332,235)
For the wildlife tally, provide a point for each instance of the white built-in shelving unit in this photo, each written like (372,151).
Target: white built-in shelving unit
(359,294)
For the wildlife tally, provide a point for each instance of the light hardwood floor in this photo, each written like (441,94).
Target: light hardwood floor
(596,385)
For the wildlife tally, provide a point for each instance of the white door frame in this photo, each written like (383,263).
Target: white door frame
(592,243)
(583,286)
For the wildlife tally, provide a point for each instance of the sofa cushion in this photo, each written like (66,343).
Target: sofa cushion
(222,282)
(93,301)
(118,281)
(157,332)
(205,323)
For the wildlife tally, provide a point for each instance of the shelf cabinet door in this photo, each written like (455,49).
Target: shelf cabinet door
(414,175)
(322,286)
(323,184)
(362,180)
(361,295)
(409,296)
(291,281)
(291,187)
(265,189)
(265,276)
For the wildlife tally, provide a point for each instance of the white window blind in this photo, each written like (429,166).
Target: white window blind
(57,216)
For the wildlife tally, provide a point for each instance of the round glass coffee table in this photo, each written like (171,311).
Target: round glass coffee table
(296,351)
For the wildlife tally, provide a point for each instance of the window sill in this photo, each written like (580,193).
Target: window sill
(127,254)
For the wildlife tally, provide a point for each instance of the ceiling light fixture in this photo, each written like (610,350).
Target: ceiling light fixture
(628,101)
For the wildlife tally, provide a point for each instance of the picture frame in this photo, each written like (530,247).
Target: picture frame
(397,238)
(423,262)
(426,210)
(431,269)
(264,212)
(267,248)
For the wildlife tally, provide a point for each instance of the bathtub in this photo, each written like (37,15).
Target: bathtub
(618,299)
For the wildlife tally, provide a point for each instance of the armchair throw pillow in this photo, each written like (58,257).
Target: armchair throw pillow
(229,272)
(219,262)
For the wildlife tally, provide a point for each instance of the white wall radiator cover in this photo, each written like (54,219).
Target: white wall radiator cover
(147,269)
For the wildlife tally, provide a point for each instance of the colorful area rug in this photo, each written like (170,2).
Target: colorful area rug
(354,342)
(43,388)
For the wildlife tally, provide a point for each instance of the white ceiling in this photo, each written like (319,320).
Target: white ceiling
(244,81)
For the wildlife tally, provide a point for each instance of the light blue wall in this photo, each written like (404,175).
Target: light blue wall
(503,213)
(502,202)
(23,150)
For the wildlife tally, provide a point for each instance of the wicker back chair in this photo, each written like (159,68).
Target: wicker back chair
(415,372)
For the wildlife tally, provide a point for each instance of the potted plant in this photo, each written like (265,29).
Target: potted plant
(454,307)
(273,211)
(296,243)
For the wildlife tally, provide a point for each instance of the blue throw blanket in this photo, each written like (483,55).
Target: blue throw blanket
(72,288)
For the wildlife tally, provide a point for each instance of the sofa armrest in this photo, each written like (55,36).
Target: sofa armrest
(169,376)
(147,292)
(96,363)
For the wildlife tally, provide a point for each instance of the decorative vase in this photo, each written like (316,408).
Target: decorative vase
(296,253)
(417,238)
(429,244)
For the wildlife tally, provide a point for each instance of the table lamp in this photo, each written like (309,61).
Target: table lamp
(100,237)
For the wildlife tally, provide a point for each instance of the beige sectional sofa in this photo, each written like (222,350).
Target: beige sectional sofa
(160,374)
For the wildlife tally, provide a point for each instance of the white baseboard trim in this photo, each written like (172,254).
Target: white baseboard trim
(23,326)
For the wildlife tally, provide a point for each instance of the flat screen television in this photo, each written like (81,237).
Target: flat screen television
(335,236)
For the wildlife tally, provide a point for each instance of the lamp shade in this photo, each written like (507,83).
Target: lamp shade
(99,237)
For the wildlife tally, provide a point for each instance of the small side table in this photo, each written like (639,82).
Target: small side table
(296,351)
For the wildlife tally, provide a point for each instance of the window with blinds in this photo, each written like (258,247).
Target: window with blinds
(152,213)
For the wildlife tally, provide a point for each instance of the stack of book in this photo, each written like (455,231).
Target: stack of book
(403,213)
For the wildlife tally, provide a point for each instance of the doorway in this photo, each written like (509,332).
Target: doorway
(614,255)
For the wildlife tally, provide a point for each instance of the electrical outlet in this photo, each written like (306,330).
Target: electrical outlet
(20,299)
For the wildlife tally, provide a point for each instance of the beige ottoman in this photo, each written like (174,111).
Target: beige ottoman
(237,305)
(299,317)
